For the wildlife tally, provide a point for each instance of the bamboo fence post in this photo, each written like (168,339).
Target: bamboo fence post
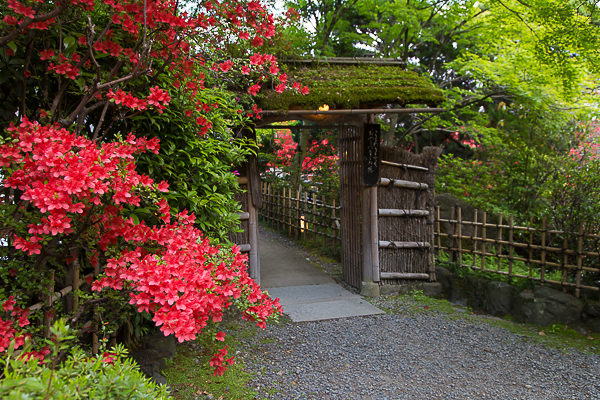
(75,285)
(579,261)
(543,271)
(510,246)
(278,209)
(499,247)
(475,228)
(323,225)
(314,217)
(439,232)
(297,226)
(304,219)
(530,257)
(459,232)
(269,205)
(333,237)
(565,262)
(452,237)
(290,212)
(48,297)
(483,237)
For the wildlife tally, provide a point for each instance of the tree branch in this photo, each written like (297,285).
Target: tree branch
(12,35)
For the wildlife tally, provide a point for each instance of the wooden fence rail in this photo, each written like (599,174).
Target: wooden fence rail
(302,214)
(534,253)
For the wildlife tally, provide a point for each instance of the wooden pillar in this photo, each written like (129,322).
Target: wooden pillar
(253,258)
(367,270)
(374,233)
(370,237)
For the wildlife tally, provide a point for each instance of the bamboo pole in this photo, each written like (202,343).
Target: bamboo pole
(439,231)
(304,219)
(510,247)
(278,209)
(543,259)
(530,257)
(483,237)
(290,212)
(402,184)
(459,218)
(297,226)
(475,240)
(333,236)
(323,226)
(452,253)
(385,244)
(314,202)
(407,166)
(579,261)
(390,212)
(374,234)
(499,246)
(565,262)
(403,275)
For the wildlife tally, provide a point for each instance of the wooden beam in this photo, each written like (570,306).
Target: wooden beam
(347,60)
(403,184)
(299,127)
(403,275)
(244,216)
(358,111)
(242,180)
(387,212)
(384,244)
(393,164)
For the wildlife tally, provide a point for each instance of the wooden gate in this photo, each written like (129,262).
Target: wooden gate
(351,174)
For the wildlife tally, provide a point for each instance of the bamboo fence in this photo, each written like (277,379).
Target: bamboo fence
(68,296)
(541,250)
(302,215)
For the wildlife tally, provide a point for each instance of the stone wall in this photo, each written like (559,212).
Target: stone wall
(541,306)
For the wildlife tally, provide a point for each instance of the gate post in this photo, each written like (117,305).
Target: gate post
(370,240)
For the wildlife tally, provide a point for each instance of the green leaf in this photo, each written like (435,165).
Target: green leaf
(69,41)
(13,46)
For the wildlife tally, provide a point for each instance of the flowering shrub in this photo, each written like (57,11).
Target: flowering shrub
(76,191)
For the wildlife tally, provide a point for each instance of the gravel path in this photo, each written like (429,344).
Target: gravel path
(408,355)
(415,356)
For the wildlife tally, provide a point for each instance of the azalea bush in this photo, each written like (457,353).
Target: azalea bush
(77,77)
(73,191)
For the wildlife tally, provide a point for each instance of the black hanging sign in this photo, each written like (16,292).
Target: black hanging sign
(371,161)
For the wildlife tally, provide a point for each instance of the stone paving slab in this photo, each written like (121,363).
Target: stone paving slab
(305,292)
(321,302)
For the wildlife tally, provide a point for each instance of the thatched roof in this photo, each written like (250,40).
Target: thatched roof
(352,85)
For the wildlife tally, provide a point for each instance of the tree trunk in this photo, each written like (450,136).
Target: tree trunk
(298,159)
(388,136)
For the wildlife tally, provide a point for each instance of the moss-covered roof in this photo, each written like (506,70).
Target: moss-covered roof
(352,86)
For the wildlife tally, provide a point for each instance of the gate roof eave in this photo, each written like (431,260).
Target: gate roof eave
(351,117)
